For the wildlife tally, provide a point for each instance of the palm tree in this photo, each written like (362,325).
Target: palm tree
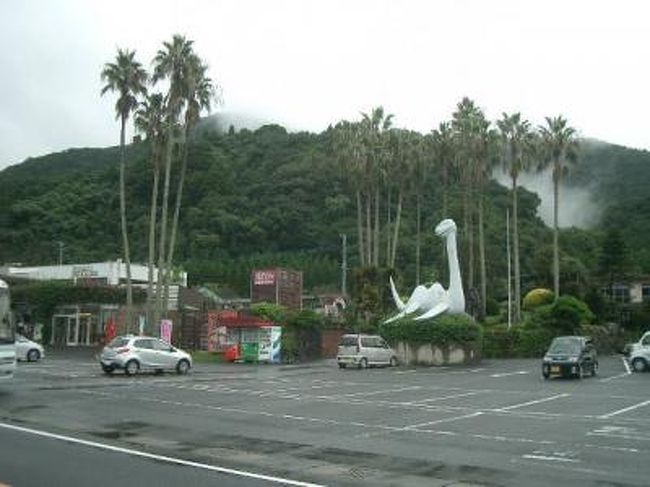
(128,79)
(171,63)
(443,149)
(375,124)
(150,120)
(199,95)
(517,142)
(350,155)
(560,147)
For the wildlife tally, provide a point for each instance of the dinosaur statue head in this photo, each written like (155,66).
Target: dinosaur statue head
(445,227)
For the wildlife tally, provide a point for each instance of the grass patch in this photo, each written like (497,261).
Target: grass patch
(203,357)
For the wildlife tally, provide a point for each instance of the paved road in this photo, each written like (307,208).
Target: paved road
(498,423)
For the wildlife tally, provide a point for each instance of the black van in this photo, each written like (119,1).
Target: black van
(570,356)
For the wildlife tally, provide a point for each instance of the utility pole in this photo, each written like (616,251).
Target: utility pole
(344,264)
(509,271)
(61,245)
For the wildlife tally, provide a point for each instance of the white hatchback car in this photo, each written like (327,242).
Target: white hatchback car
(28,350)
(363,351)
(134,353)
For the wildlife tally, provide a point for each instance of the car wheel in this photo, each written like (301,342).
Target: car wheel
(393,361)
(342,366)
(639,365)
(363,363)
(132,367)
(546,372)
(183,367)
(33,355)
(594,369)
(580,373)
(107,370)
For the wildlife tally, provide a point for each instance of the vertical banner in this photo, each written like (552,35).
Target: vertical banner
(166,331)
(276,341)
(141,323)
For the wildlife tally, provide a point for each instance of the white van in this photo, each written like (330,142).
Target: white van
(639,353)
(363,351)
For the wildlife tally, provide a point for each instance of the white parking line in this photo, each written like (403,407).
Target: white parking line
(626,365)
(444,420)
(506,374)
(624,374)
(441,398)
(624,410)
(162,458)
(530,403)
(550,459)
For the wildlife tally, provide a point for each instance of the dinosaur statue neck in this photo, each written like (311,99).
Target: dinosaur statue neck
(456,295)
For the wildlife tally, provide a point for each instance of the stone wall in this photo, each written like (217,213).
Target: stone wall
(432,354)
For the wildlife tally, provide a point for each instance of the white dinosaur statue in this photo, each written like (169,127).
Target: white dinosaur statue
(436,300)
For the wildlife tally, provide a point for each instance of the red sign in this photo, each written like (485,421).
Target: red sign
(264,278)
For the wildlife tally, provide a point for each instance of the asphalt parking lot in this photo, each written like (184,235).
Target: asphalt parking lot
(496,423)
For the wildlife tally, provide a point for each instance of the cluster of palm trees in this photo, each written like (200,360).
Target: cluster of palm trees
(380,161)
(167,119)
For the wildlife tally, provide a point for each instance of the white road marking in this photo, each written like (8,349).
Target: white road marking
(444,420)
(162,458)
(441,398)
(550,459)
(506,374)
(607,379)
(624,410)
(626,365)
(412,371)
(530,403)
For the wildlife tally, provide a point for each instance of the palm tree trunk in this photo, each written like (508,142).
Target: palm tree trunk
(163,226)
(152,237)
(481,245)
(388,224)
(177,210)
(556,246)
(368,231)
(362,259)
(375,260)
(418,236)
(515,250)
(125,237)
(398,219)
(445,178)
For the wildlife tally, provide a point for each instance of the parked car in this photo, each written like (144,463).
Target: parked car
(135,353)
(364,351)
(572,356)
(638,354)
(28,350)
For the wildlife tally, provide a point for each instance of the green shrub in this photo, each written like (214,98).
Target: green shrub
(518,341)
(568,313)
(538,297)
(270,311)
(442,330)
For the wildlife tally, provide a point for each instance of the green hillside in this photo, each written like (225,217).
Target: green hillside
(268,197)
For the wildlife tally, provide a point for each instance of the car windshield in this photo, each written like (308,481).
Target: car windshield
(565,346)
(118,342)
(348,341)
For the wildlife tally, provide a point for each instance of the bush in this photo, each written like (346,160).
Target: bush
(442,330)
(518,341)
(538,297)
(568,313)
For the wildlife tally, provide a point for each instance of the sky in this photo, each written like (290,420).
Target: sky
(306,64)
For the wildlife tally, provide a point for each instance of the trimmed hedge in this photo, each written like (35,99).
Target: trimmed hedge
(519,341)
(538,297)
(443,330)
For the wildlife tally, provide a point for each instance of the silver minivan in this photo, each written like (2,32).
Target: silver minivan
(363,351)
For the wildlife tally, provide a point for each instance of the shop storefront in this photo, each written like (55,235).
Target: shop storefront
(243,338)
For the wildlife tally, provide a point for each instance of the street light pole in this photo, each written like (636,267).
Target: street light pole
(344,263)
(61,245)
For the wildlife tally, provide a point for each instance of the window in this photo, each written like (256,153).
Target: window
(348,341)
(144,343)
(619,293)
(118,342)
(645,293)
(162,346)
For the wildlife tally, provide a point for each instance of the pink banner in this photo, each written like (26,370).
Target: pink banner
(166,331)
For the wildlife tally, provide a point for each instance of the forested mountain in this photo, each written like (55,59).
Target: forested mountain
(268,197)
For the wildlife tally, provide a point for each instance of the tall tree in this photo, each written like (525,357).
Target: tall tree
(150,120)
(517,144)
(560,147)
(199,93)
(126,77)
(443,149)
(171,63)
